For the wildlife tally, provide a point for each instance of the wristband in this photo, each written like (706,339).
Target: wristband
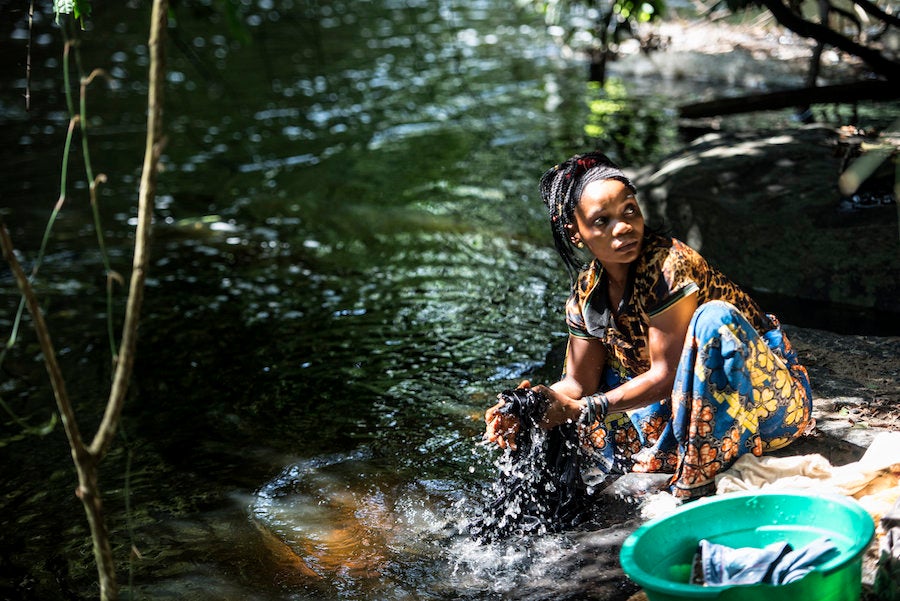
(596,406)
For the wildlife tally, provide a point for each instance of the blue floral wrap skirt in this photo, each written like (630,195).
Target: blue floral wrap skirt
(735,392)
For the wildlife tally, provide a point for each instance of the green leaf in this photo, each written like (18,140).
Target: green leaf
(63,7)
(79,9)
(82,10)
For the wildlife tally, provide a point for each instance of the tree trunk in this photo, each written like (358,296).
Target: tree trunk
(843,93)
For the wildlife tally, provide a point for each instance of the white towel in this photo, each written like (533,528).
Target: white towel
(874,480)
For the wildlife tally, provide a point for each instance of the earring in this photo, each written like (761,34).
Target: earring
(579,244)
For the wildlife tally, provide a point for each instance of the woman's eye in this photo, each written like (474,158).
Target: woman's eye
(601,221)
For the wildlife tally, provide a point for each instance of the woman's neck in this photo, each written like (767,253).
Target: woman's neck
(616,285)
(617,274)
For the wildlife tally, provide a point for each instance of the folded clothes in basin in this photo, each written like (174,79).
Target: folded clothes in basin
(778,563)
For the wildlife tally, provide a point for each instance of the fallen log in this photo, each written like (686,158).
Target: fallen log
(840,93)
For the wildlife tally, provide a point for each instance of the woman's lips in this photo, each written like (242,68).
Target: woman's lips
(627,246)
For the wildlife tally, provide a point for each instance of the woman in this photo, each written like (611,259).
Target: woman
(670,367)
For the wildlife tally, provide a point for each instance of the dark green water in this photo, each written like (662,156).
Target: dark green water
(349,261)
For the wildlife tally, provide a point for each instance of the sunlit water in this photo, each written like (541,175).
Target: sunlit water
(350,260)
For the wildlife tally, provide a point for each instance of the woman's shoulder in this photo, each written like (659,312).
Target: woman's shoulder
(587,278)
(661,249)
(670,267)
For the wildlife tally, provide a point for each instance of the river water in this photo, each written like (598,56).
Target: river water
(349,261)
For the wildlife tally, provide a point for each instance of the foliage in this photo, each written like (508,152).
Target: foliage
(643,11)
(597,26)
(639,10)
(232,11)
(236,24)
(605,20)
(79,9)
(635,131)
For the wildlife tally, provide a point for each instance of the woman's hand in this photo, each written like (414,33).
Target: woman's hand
(562,409)
(502,428)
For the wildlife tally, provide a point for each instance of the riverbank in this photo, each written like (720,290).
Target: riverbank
(856,396)
(758,193)
(754,53)
(765,206)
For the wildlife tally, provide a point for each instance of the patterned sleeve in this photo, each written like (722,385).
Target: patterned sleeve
(680,276)
(575,317)
(575,307)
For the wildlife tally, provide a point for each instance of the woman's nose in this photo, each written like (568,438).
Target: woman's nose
(621,227)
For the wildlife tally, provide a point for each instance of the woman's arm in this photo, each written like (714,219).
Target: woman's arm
(666,337)
(585,359)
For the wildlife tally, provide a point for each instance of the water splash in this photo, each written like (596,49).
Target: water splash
(539,488)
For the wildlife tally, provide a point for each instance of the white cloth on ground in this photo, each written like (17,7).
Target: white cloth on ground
(874,480)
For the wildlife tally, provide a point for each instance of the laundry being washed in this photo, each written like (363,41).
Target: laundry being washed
(777,563)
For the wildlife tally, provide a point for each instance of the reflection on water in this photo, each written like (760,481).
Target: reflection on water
(358,531)
(352,527)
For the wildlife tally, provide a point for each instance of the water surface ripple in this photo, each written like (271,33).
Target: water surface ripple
(349,261)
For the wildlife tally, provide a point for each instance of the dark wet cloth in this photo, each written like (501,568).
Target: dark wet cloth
(540,489)
(778,563)
(525,404)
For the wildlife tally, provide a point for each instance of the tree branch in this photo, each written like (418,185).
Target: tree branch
(79,452)
(152,151)
(874,10)
(28,57)
(876,61)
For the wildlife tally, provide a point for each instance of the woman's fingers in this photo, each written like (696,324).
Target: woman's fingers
(491,413)
(508,429)
(502,430)
(545,391)
(494,429)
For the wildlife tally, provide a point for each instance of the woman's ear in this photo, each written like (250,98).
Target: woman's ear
(574,236)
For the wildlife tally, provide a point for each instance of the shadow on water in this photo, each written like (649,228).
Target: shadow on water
(349,262)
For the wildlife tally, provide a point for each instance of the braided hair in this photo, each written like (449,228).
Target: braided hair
(561,189)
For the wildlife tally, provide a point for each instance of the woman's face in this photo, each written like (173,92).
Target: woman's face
(609,222)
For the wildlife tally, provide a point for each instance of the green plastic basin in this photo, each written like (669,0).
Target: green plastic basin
(658,555)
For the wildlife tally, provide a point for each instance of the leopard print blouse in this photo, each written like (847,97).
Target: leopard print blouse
(666,271)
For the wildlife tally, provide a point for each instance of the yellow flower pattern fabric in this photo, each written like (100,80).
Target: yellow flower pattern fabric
(736,392)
